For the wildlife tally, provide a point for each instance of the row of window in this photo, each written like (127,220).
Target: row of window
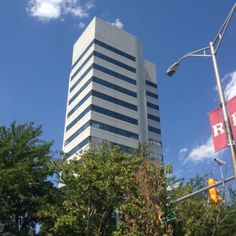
(104,97)
(113,129)
(152,117)
(77,147)
(106,58)
(114,100)
(114,114)
(80,78)
(80,90)
(92,139)
(115,74)
(82,54)
(150,94)
(154,130)
(99,141)
(156,107)
(155,142)
(77,133)
(151,84)
(103,111)
(113,49)
(106,84)
(100,125)
(81,66)
(82,114)
(113,61)
(104,45)
(76,107)
(115,87)
(104,70)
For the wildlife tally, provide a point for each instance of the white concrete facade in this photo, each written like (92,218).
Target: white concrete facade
(112,93)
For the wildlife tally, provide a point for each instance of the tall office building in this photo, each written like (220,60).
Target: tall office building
(112,93)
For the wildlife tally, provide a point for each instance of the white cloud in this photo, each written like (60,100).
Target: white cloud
(201,152)
(182,153)
(47,10)
(230,88)
(81,25)
(117,23)
(76,11)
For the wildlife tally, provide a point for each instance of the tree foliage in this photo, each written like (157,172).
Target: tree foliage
(143,203)
(197,216)
(24,189)
(105,192)
(94,186)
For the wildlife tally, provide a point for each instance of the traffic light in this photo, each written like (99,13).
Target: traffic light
(160,216)
(213,192)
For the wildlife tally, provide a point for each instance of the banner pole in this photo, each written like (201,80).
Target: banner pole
(229,133)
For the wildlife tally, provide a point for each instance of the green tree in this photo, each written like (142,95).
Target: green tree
(94,186)
(196,216)
(145,201)
(105,179)
(24,168)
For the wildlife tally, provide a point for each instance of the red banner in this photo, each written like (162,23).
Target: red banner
(231,107)
(218,129)
(217,124)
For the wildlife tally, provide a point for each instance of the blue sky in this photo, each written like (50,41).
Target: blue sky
(35,57)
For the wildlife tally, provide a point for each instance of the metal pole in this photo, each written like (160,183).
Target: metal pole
(223,184)
(224,110)
(203,189)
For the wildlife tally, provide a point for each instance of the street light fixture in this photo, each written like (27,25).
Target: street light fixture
(211,51)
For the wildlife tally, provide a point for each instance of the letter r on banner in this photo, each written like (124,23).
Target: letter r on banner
(231,107)
(218,129)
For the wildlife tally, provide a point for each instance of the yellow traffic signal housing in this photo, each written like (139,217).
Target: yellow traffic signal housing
(213,192)
(159,216)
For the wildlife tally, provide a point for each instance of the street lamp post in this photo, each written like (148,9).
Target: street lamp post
(211,51)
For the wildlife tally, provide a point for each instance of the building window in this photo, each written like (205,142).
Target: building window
(82,114)
(82,65)
(154,130)
(113,49)
(104,97)
(106,84)
(150,83)
(115,130)
(152,117)
(99,141)
(82,54)
(81,77)
(115,62)
(104,70)
(154,142)
(115,74)
(77,147)
(77,133)
(81,89)
(104,112)
(156,107)
(78,104)
(114,114)
(104,45)
(114,100)
(151,94)
(115,87)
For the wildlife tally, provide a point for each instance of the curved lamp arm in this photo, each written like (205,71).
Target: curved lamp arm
(220,34)
(205,52)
